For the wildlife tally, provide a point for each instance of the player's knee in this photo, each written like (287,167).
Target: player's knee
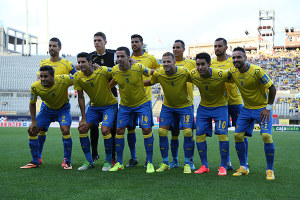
(105,130)
(267,138)
(148,135)
(65,131)
(175,132)
(239,137)
(223,137)
(187,132)
(162,132)
(201,138)
(146,131)
(120,131)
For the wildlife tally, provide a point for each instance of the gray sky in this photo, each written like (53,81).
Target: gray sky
(75,22)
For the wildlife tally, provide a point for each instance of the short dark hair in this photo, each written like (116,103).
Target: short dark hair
(205,56)
(85,55)
(240,49)
(56,40)
(222,39)
(124,49)
(47,68)
(182,43)
(100,34)
(169,54)
(137,36)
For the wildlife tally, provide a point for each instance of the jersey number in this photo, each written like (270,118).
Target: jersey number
(223,124)
(172,83)
(186,118)
(144,118)
(127,80)
(53,94)
(206,87)
(92,84)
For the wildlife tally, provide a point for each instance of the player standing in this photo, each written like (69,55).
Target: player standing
(53,90)
(213,105)
(103,107)
(258,93)
(150,62)
(177,107)
(235,102)
(103,57)
(134,101)
(60,66)
(178,50)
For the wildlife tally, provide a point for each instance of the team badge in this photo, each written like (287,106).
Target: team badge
(102,61)
(256,71)
(220,73)
(34,89)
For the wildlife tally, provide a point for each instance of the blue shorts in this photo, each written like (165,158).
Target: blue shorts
(48,115)
(135,120)
(177,117)
(142,112)
(204,120)
(246,121)
(233,112)
(106,114)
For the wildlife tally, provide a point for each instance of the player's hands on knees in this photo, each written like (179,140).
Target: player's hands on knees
(265,115)
(82,123)
(32,128)
(96,66)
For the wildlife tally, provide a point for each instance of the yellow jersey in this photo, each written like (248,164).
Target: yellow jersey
(131,85)
(212,90)
(62,66)
(190,65)
(253,85)
(54,97)
(174,87)
(234,95)
(150,62)
(96,86)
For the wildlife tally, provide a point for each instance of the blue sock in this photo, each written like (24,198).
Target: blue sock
(148,142)
(228,157)
(119,141)
(174,149)
(42,139)
(187,149)
(193,151)
(246,144)
(202,149)
(62,138)
(34,149)
(108,143)
(241,152)
(270,153)
(224,152)
(85,145)
(164,148)
(131,139)
(68,147)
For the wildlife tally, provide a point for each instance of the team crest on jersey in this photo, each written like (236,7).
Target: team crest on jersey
(120,121)
(162,120)
(102,61)
(34,89)
(220,73)
(256,71)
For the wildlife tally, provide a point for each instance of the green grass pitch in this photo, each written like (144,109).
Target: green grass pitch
(50,181)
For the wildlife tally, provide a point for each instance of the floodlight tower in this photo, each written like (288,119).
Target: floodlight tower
(266,26)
